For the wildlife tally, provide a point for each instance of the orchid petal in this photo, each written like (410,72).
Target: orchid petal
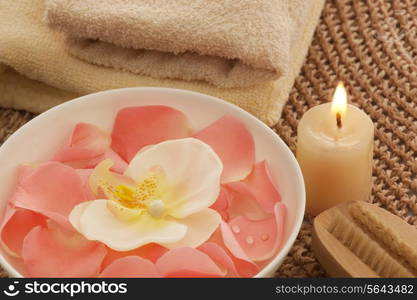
(102,174)
(187,262)
(119,164)
(137,127)
(76,214)
(52,252)
(52,189)
(96,222)
(200,226)
(234,144)
(131,267)
(190,166)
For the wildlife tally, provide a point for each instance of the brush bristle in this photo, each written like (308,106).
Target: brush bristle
(366,249)
(385,234)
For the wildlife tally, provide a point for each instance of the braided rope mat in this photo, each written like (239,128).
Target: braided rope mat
(372,46)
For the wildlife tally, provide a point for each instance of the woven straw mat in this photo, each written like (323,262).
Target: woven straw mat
(371,45)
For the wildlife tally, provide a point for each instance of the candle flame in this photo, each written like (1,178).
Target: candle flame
(339,103)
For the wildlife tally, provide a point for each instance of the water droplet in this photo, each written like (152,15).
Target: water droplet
(236,229)
(265,237)
(249,240)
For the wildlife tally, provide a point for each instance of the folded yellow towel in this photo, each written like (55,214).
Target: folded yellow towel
(32,49)
(20,92)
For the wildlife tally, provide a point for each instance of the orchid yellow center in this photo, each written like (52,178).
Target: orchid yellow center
(126,196)
(144,196)
(138,196)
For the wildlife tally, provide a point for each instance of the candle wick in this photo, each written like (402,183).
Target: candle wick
(339,120)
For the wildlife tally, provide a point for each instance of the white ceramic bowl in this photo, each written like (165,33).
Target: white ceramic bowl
(40,138)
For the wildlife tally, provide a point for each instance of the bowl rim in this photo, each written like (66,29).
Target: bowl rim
(277,260)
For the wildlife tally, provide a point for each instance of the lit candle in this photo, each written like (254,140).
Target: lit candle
(334,150)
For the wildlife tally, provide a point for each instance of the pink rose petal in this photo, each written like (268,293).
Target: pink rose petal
(187,262)
(16,226)
(51,252)
(234,145)
(137,127)
(280,212)
(87,143)
(24,171)
(52,189)
(131,267)
(244,265)
(260,183)
(9,211)
(222,203)
(89,136)
(85,175)
(220,257)
(257,238)
(243,202)
(150,252)
(255,196)
(260,239)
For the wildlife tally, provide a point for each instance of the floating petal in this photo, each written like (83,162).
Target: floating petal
(261,239)
(259,182)
(131,267)
(234,144)
(187,262)
(52,189)
(137,127)
(220,257)
(17,226)
(150,252)
(88,142)
(51,252)
(244,265)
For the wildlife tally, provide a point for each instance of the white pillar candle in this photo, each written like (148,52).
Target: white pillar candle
(334,150)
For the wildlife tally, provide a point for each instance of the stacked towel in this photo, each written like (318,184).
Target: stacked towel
(17,91)
(30,49)
(228,43)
